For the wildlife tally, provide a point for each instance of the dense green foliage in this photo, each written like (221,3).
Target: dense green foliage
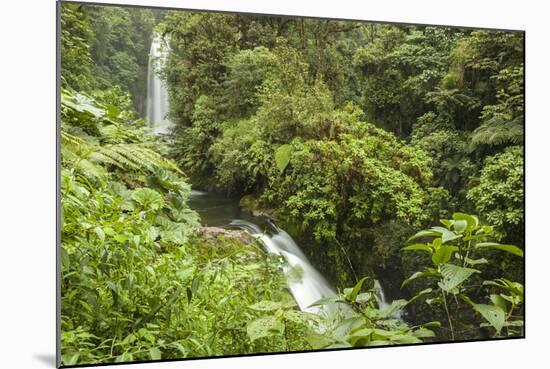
(137,281)
(367,324)
(351,135)
(458,254)
(499,194)
(349,131)
(107,46)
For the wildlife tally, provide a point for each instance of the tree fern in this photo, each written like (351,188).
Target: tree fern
(499,131)
(98,133)
(125,156)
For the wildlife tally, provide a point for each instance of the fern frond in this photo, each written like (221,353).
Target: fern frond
(125,156)
(138,157)
(498,131)
(76,150)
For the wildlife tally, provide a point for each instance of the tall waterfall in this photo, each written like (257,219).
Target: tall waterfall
(157,94)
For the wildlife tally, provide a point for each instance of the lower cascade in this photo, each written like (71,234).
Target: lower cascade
(306,284)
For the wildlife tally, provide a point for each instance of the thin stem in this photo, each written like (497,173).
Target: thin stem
(509,316)
(347,257)
(113,344)
(285,337)
(448,315)
(467,253)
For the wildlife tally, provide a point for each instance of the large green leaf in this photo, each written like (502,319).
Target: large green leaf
(428,273)
(264,327)
(360,337)
(351,296)
(282,156)
(328,300)
(443,254)
(499,301)
(148,198)
(173,232)
(82,104)
(508,248)
(471,220)
(493,314)
(297,316)
(447,235)
(425,234)
(418,246)
(423,333)
(382,334)
(365,297)
(155,353)
(454,275)
(317,341)
(388,311)
(404,339)
(345,327)
(460,225)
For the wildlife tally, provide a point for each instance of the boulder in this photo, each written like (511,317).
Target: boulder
(217,232)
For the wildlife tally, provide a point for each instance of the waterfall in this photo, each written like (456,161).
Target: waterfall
(306,284)
(157,94)
(380,296)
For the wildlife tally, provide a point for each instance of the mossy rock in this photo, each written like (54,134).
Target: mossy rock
(216,234)
(251,204)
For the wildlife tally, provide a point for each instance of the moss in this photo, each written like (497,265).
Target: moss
(251,204)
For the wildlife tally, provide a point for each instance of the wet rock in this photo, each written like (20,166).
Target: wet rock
(212,233)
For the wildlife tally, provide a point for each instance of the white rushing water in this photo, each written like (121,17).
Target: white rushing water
(380,296)
(306,284)
(157,94)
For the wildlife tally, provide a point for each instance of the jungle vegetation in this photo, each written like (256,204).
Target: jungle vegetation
(388,151)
